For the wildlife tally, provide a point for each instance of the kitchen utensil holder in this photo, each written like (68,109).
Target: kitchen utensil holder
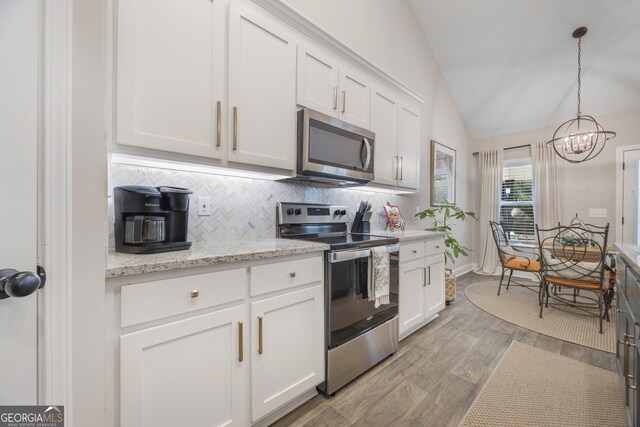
(361,223)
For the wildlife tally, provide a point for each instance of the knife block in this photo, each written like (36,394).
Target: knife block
(361,223)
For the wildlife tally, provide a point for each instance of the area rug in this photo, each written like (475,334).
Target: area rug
(533,387)
(519,306)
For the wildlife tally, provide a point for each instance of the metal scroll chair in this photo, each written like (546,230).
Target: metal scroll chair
(574,258)
(510,260)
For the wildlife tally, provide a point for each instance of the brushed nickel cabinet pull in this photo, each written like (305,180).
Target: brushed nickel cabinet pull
(259,334)
(335,97)
(344,100)
(235,128)
(195,293)
(240,342)
(429,275)
(424,277)
(401,167)
(292,274)
(414,252)
(218,123)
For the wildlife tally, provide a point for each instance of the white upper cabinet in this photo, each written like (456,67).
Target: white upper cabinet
(409,146)
(170,67)
(262,88)
(317,80)
(326,85)
(396,124)
(384,123)
(355,91)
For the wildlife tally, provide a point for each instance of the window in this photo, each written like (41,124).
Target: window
(516,200)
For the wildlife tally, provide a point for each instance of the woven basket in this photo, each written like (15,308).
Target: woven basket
(449,286)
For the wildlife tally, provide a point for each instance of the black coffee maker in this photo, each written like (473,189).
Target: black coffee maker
(149,220)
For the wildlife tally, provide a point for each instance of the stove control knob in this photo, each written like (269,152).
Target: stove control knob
(343,212)
(290,211)
(337,212)
(298,211)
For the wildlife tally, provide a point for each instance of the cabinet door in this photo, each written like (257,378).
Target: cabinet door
(354,98)
(317,85)
(185,373)
(411,300)
(170,57)
(287,348)
(384,122)
(434,289)
(262,90)
(409,146)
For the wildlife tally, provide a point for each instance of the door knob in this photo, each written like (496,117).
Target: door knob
(14,283)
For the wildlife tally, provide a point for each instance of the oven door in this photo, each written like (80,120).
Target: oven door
(331,147)
(349,311)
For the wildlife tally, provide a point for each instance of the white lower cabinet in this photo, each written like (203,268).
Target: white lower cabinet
(287,348)
(421,284)
(190,372)
(220,348)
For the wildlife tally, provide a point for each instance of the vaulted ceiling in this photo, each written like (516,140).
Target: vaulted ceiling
(512,64)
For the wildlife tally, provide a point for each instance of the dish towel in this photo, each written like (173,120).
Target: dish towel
(379,284)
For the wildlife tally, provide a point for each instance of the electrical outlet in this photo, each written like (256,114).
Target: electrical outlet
(597,213)
(204,206)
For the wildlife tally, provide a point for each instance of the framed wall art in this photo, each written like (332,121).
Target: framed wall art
(443,174)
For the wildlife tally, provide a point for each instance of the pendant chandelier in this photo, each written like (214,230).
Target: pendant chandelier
(583,138)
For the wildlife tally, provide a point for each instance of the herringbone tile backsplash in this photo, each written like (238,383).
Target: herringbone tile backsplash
(242,208)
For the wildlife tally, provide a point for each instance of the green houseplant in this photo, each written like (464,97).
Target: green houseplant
(442,221)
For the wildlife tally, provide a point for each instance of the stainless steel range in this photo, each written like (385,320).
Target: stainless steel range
(358,335)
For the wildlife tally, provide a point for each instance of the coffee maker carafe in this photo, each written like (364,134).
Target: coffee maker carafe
(149,220)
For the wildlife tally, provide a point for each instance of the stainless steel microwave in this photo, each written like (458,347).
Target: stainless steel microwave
(332,151)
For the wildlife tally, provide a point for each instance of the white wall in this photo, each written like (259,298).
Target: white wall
(591,184)
(387,34)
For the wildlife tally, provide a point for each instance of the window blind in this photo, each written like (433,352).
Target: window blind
(516,201)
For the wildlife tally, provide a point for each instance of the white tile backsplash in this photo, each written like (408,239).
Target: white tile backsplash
(241,208)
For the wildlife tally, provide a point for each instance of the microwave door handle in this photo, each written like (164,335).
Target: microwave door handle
(367,162)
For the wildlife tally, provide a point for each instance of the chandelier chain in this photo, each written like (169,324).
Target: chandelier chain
(579,71)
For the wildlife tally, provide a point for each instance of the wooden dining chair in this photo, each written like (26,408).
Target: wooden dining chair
(574,257)
(511,259)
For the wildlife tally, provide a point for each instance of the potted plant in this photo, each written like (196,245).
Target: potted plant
(442,218)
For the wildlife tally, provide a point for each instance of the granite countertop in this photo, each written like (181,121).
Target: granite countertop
(408,235)
(203,254)
(631,257)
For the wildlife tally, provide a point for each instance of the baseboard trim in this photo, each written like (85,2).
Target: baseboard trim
(285,409)
(463,269)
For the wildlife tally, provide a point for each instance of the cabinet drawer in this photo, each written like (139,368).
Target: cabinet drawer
(435,246)
(286,274)
(144,302)
(411,251)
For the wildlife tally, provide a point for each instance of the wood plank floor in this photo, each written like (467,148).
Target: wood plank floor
(436,374)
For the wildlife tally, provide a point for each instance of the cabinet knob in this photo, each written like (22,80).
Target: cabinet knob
(292,274)
(437,247)
(414,252)
(195,293)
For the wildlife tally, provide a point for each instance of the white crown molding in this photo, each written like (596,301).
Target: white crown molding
(317,34)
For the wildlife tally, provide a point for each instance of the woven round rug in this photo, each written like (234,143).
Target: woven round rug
(534,387)
(519,306)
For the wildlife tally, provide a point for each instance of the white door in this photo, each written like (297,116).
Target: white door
(287,348)
(317,86)
(384,123)
(186,373)
(409,146)
(411,299)
(262,90)
(354,98)
(170,81)
(19,37)
(434,290)
(630,199)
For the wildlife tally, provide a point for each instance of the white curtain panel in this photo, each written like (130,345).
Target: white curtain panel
(547,185)
(490,179)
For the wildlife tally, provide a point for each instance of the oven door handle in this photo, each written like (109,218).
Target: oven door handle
(340,256)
